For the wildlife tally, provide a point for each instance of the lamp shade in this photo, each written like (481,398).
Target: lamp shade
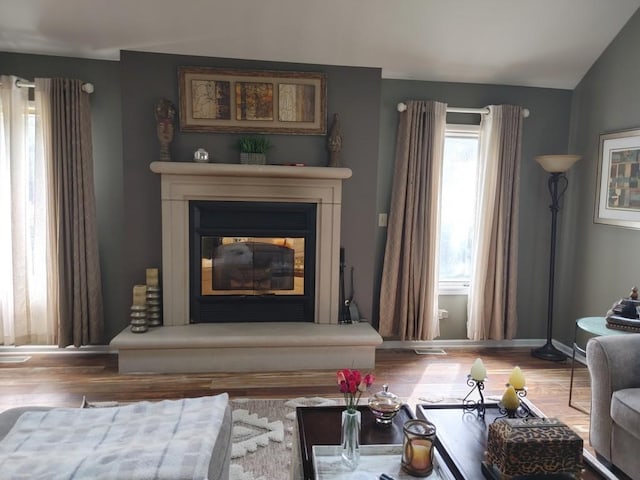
(557,163)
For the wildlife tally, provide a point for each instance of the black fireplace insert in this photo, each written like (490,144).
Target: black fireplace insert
(252,261)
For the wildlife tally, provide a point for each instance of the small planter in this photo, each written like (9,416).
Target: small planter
(253,158)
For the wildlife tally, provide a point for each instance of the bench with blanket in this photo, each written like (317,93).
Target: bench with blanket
(171,439)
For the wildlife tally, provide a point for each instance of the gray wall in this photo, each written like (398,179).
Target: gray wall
(600,263)
(545,131)
(596,263)
(128,194)
(107,156)
(352,92)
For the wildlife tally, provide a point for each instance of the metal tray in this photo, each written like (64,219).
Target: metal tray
(374,460)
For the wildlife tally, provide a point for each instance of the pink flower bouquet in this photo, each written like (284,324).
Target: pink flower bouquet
(352,385)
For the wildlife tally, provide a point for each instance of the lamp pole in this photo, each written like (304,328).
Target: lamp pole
(557,185)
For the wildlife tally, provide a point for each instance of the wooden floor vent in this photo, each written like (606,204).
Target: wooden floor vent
(430,351)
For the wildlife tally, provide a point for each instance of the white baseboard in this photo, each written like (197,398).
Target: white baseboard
(52,349)
(452,344)
(411,344)
(387,344)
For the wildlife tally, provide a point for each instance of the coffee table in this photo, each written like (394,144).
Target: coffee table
(321,426)
(461,438)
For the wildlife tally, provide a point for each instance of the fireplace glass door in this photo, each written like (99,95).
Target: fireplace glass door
(252,266)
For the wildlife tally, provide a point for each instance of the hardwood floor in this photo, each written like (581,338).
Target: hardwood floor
(63,379)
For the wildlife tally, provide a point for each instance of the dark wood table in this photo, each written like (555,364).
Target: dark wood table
(461,439)
(322,426)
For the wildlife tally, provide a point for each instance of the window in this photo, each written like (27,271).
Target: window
(458,208)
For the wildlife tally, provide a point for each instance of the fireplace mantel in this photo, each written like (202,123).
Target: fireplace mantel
(238,170)
(185,181)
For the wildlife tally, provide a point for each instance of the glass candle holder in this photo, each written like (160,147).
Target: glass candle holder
(417,447)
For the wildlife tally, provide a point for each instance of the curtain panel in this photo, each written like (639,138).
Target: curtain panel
(80,287)
(28,313)
(408,296)
(492,294)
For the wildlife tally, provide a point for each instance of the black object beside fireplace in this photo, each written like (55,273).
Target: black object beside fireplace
(252,261)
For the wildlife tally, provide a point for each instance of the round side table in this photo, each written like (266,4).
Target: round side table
(586,328)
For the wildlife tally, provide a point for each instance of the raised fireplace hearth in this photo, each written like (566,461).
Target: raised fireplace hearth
(261,342)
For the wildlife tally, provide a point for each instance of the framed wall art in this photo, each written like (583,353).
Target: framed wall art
(618,187)
(220,100)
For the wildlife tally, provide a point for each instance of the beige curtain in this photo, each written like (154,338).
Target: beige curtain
(492,295)
(408,296)
(80,289)
(28,302)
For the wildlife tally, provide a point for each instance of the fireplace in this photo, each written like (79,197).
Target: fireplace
(319,342)
(317,188)
(252,261)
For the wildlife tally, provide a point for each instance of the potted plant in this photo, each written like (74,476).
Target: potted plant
(253,149)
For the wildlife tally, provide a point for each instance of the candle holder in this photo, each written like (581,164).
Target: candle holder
(138,317)
(154,310)
(521,392)
(470,405)
(417,447)
(505,412)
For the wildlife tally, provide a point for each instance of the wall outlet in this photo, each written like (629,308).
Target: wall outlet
(382,219)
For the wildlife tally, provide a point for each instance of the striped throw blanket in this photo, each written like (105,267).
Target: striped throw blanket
(171,439)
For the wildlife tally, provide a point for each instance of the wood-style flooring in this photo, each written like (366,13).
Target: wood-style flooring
(62,379)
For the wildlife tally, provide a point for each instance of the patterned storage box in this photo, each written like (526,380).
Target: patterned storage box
(533,446)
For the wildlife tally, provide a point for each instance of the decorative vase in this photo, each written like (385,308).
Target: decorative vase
(350,440)
(334,142)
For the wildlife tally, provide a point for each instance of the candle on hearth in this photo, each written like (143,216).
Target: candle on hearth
(516,379)
(510,399)
(139,294)
(478,371)
(152,277)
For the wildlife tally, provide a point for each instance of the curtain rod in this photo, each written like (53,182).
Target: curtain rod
(86,87)
(482,111)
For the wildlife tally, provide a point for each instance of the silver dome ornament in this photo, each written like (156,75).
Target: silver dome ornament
(201,156)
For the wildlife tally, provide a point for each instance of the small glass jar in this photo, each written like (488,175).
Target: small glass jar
(201,156)
(384,405)
(417,447)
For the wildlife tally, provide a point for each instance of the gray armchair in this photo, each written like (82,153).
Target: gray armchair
(614,366)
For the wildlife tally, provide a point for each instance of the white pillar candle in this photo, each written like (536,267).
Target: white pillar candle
(478,371)
(510,399)
(516,379)
(421,459)
(139,294)
(152,277)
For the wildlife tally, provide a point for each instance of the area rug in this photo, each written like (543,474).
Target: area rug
(263,437)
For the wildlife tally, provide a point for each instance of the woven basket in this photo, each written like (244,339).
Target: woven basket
(253,158)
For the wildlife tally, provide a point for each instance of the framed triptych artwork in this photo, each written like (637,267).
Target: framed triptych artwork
(218,100)
(618,187)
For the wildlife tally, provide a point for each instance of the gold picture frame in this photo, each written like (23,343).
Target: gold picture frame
(262,101)
(618,187)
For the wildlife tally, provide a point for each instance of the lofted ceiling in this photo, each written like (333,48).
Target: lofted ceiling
(542,43)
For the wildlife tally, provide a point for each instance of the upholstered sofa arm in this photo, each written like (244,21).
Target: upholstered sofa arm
(614,364)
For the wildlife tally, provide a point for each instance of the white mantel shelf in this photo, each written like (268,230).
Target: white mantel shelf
(239,170)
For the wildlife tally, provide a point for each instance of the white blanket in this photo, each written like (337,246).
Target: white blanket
(171,439)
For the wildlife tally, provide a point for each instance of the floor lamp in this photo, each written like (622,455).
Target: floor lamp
(556,165)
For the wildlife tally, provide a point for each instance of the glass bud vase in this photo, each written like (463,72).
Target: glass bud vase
(350,440)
